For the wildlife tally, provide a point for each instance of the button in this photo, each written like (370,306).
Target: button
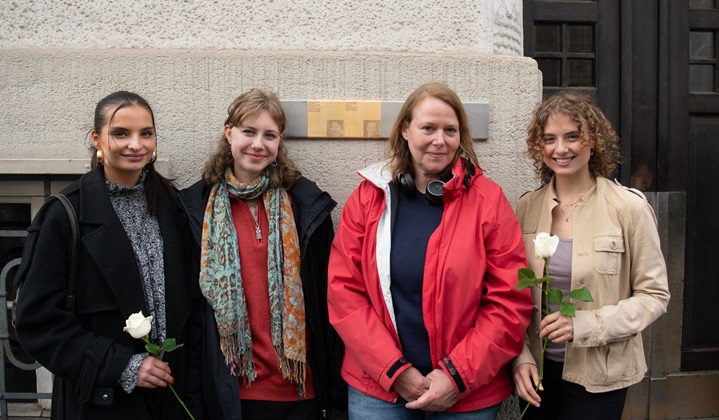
(613,245)
(105,397)
(584,341)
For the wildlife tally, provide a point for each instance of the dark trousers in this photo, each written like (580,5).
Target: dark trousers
(280,410)
(568,401)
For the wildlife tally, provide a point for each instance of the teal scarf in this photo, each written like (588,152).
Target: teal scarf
(221,281)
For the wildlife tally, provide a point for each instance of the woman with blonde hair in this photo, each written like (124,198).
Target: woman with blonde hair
(263,232)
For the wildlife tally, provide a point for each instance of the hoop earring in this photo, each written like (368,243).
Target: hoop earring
(153,159)
(274,162)
(99,158)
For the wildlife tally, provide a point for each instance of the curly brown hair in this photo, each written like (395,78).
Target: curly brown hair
(400,158)
(284,173)
(589,119)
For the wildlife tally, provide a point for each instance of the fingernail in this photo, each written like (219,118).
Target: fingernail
(172,381)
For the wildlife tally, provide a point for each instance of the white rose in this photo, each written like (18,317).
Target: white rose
(545,245)
(137,325)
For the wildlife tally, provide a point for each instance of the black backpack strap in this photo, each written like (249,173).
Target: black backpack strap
(73,255)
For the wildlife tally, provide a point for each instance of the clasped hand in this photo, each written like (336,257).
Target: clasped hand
(434,392)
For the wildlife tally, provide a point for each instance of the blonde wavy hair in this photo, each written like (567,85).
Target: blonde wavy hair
(284,173)
(589,119)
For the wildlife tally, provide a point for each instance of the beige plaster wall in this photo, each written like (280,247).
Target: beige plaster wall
(49,96)
(486,26)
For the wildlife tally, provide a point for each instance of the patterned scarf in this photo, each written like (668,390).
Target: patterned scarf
(221,282)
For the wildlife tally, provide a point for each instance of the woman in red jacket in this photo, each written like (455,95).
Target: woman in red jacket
(423,272)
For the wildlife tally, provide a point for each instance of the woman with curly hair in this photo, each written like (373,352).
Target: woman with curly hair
(609,243)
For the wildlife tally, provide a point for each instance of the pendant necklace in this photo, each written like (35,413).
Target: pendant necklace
(572,205)
(567,216)
(256,219)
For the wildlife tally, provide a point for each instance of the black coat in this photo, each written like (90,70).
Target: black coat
(312,209)
(87,350)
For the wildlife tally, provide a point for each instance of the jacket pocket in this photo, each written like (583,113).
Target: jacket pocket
(102,396)
(617,363)
(607,253)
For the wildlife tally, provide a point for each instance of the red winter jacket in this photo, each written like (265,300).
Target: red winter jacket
(475,317)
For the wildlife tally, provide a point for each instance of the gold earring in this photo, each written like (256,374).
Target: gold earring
(154,156)
(99,158)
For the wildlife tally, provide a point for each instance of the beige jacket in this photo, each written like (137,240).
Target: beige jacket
(616,254)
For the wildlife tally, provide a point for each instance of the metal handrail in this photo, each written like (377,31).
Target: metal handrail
(7,349)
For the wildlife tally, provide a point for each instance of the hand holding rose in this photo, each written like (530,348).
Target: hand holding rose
(153,373)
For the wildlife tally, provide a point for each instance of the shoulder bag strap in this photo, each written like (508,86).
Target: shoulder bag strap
(72,257)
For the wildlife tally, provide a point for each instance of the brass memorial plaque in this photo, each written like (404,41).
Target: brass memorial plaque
(361,119)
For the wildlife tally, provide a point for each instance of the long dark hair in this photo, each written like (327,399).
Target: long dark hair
(105,110)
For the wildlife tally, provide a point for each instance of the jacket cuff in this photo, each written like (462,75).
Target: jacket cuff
(524,358)
(128,379)
(586,329)
(390,374)
(451,371)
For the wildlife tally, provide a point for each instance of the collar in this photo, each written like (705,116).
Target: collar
(380,175)
(584,197)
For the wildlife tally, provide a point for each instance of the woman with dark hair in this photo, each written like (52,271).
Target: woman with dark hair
(264,234)
(608,242)
(422,274)
(134,255)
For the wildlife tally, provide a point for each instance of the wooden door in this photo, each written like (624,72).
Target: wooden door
(697,86)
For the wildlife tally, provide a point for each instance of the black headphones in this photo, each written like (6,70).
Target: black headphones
(435,188)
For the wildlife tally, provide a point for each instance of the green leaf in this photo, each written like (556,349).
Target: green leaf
(170,345)
(567,309)
(525,274)
(581,295)
(526,278)
(545,280)
(170,342)
(523,284)
(175,347)
(152,348)
(554,295)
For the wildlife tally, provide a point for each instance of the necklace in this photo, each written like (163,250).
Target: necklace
(572,205)
(567,216)
(255,218)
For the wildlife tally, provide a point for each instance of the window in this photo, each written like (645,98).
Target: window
(702,61)
(565,53)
